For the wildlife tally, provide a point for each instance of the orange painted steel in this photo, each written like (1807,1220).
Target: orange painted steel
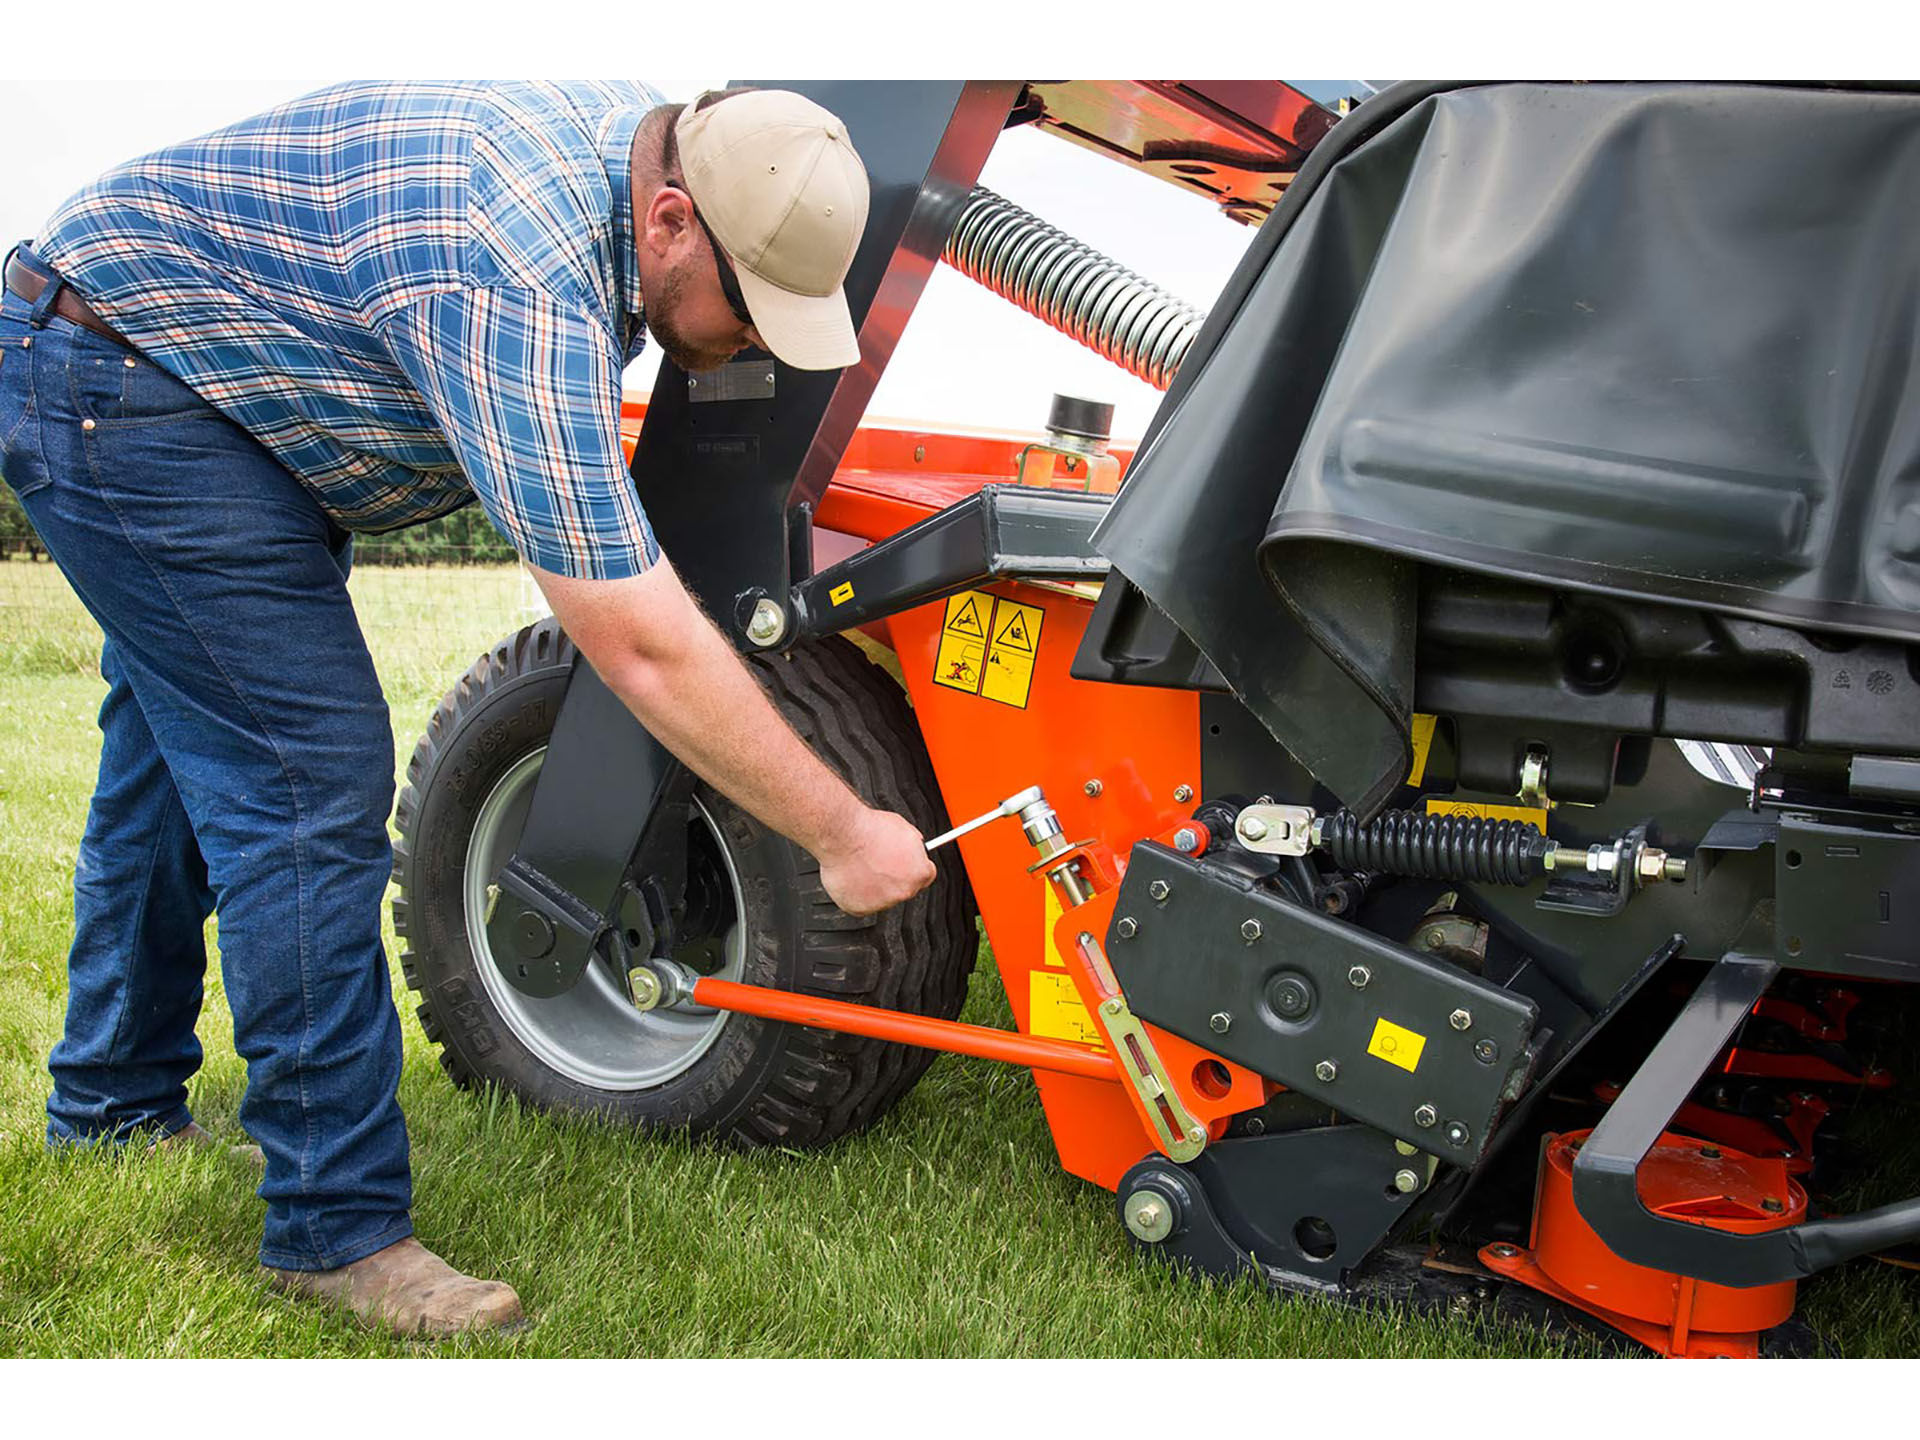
(1681,1179)
(948,1035)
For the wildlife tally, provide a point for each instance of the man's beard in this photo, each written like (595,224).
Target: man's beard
(662,319)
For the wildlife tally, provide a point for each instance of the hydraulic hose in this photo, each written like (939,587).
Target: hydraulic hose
(1073,287)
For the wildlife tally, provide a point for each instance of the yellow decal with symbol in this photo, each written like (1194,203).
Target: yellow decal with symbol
(988,647)
(1526,816)
(1396,1045)
(1054,1008)
(841,593)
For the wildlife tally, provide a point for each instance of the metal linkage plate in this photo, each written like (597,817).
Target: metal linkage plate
(1849,895)
(1411,1046)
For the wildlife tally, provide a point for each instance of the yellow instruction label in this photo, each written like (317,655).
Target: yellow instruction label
(1396,1045)
(963,641)
(988,647)
(1049,951)
(1011,657)
(1054,1009)
(1422,737)
(1526,816)
(841,593)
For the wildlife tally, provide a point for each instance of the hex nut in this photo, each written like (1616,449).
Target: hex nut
(1326,1072)
(1159,890)
(1358,977)
(1252,827)
(1126,927)
(1425,1117)
(1220,1022)
(1461,1019)
(1249,930)
(1149,1216)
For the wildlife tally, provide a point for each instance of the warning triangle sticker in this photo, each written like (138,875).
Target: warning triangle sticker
(1014,633)
(967,622)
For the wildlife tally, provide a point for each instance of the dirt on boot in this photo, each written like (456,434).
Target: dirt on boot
(410,1290)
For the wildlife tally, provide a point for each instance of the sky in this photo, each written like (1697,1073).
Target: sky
(967,356)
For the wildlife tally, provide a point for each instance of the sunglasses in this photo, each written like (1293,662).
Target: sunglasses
(729,282)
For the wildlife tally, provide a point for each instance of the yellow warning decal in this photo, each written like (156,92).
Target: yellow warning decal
(1396,1045)
(1422,737)
(1049,951)
(1011,657)
(1054,1009)
(963,641)
(841,593)
(988,647)
(1525,815)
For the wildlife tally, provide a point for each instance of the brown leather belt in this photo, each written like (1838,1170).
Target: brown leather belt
(67,305)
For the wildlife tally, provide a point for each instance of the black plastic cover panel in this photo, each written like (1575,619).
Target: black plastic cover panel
(1656,341)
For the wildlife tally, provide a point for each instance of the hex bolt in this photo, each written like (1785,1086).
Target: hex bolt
(1127,927)
(1220,1023)
(1326,1072)
(1251,827)
(1505,1251)
(645,988)
(1772,1206)
(1249,930)
(1093,787)
(1461,1019)
(1256,1126)
(1197,1135)
(1149,1217)
(1405,1181)
(1112,1007)
(768,623)
(1425,1116)
(1159,890)
(1185,841)
(1358,977)
(1485,1051)
(1457,1134)
(1182,794)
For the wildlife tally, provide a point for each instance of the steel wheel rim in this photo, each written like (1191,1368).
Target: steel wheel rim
(591,1034)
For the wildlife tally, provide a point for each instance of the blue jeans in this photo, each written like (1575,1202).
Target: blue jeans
(246,769)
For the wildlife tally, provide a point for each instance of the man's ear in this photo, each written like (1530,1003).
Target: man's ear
(667,226)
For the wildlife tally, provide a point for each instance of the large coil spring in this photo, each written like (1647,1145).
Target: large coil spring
(1437,847)
(1074,288)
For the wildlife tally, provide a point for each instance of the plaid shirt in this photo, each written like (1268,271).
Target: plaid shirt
(412,294)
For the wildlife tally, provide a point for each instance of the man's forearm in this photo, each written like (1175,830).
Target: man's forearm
(662,656)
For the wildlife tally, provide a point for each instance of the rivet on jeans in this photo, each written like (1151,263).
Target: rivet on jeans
(129,362)
(86,424)
(26,342)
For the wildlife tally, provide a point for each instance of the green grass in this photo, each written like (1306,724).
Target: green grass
(947,1230)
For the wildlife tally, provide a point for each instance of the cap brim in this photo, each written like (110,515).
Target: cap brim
(808,332)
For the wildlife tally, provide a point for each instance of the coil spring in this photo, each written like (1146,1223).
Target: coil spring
(1437,847)
(1073,287)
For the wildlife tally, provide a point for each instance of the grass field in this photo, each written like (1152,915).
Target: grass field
(947,1230)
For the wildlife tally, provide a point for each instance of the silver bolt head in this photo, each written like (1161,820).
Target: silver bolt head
(1113,1007)
(1252,827)
(1457,1134)
(1220,1023)
(1326,1072)
(1405,1181)
(1149,1218)
(1425,1117)
(768,624)
(1093,787)
(1358,977)
(1159,890)
(1182,793)
(1127,927)
(1249,930)
(1461,1019)
(1185,841)
(645,986)
(1197,1134)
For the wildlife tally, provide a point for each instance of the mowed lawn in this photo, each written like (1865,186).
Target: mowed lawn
(947,1230)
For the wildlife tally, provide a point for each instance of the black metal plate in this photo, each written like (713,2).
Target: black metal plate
(1188,961)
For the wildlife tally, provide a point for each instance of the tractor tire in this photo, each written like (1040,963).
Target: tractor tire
(735,1077)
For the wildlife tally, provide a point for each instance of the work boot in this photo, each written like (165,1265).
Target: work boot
(409,1289)
(191,1137)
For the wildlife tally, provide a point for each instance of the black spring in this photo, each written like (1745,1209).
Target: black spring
(1437,847)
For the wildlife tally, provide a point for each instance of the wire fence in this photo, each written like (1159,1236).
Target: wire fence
(431,600)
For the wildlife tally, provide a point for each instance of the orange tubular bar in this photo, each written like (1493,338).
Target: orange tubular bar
(1062,1056)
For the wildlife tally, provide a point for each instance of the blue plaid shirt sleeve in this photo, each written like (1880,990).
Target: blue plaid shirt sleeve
(528,391)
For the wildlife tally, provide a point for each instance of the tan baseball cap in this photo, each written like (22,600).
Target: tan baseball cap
(780,186)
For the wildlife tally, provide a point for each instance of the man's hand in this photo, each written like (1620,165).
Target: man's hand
(882,862)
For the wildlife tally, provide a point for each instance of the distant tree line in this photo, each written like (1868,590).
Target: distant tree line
(465,537)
